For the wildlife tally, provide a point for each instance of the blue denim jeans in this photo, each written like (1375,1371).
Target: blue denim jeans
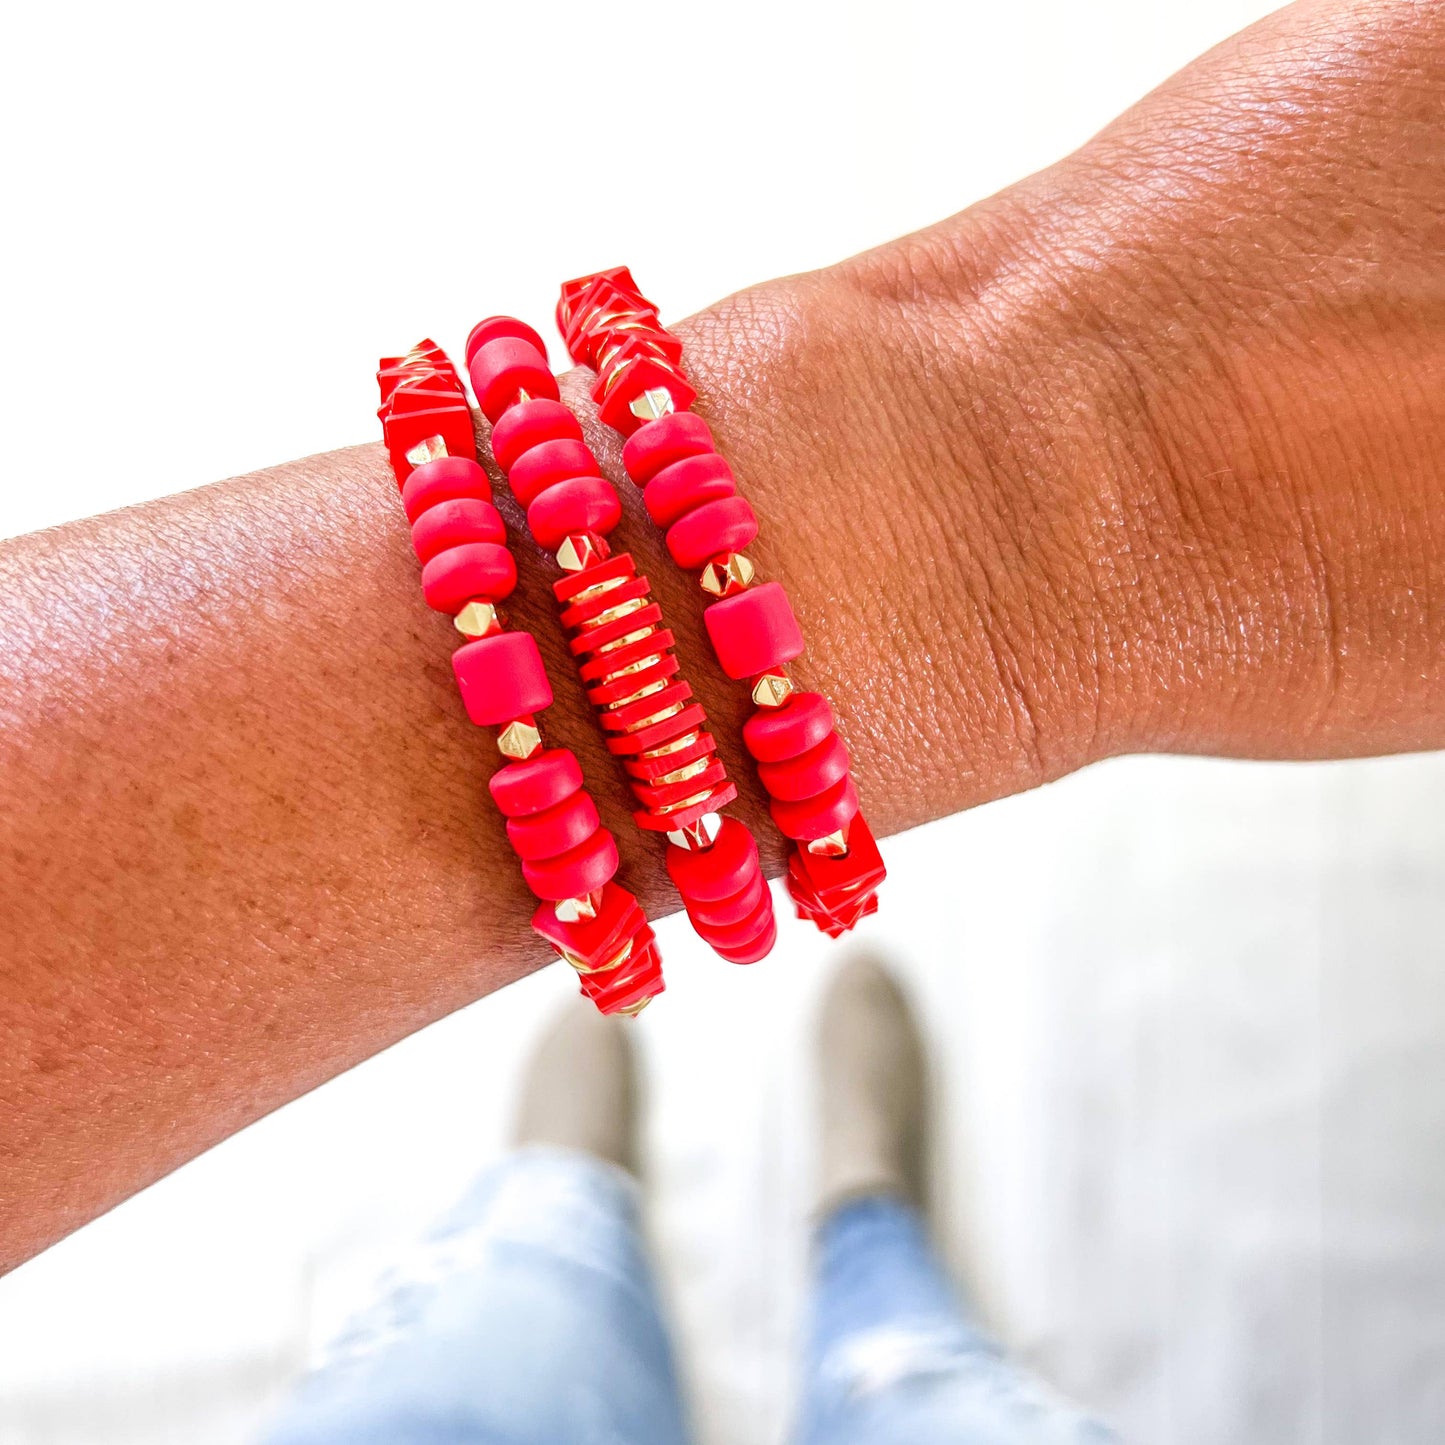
(532,1318)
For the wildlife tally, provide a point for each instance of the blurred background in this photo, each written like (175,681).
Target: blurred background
(1189,1016)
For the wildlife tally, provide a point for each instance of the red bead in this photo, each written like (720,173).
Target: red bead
(726,525)
(607,693)
(645,739)
(662,442)
(732,909)
(717,872)
(647,770)
(679,489)
(577,871)
(444,480)
(714,802)
(731,936)
(633,378)
(819,815)
(502,368)
(596,668)
(501,677)
(536,783)
(807,775)
(566,588)
(547,464)
(630,591)
(756,949)
(475,569)
(596,637)
(528,425)
(554,831)
(450,524)
(495,326)
(772,734)
(625,718)
(580,504)
(595,940)
(754,631)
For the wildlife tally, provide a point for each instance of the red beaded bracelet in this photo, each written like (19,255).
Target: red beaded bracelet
(624,652)
(642,391)
(568,859)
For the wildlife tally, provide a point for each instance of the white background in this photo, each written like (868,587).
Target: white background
(1190,1016)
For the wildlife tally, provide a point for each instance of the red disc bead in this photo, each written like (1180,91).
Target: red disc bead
(579,870)
(732,909)
(529,424)
(773,734)
(729,936)
(811,773)
(547,464)
(819,815)
(662,442)
(505,366)
(444,480)
(726,525)
(475,569)
(555,830)
(756,949)
(501,677)
(580,504)
(535,784)
(679,489)
(754,631)
(495,326)
(717,872)
(450,524)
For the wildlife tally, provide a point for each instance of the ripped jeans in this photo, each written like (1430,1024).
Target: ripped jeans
(532,1317)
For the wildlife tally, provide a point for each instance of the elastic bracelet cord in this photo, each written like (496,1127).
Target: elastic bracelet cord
(616,631)
(568,859)
(642,391)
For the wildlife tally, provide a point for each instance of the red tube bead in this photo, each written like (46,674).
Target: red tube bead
(579,870)
(719,871)
(819,815)
(501,677)
(455,522)
(548,463)
(444,480)
(475,569)
(535,784)
(679,489)
(529,424)
(662,442)
(773,734)
(813,772)
(505,366)
(754,631)
(726,525)
(580,504)
(555,830)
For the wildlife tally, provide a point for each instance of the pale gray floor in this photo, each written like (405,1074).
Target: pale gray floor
(1189,1020)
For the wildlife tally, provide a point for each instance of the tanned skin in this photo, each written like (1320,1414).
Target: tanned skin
(1143,454)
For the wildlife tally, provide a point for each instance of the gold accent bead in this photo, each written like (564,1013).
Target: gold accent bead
(597,589)
(698,837)
(633,1009)
(772,689)
(655,402)
(478,619)
(641,665)
(683,804)
(642,692)
(428,449)
(830,845)
(688,770)
(582,550)
(675,746)
(657,717)
(575,910)
(614,614)
(519,740)
(626,640)
(727,575)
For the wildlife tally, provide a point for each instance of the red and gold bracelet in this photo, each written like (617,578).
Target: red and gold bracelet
(642,391)
(624,652)
(568,859)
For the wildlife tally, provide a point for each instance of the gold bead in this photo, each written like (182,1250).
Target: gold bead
(597,589)
(428,449)
(626,640)
(657,717)
(688,770)
(614,614)
(675,746)
(575,910)
(633,1009)
(656,401)
(699,836)
(727,575)
(582,550)
(683,804)
(830,845)
(772,689)
(641,665)
(478,619)
(642,692)
(519,740)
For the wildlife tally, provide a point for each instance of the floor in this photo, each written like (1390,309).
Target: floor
(1188,1022)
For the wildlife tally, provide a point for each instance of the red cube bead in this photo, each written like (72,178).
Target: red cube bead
(501,677)
(754,631)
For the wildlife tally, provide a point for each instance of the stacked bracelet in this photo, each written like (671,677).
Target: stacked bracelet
(624,652)
(642,391)
(568,859)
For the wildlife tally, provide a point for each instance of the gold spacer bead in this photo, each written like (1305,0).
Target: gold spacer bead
(683,804)
(772,689)
(727,575)
(519,740)
(655,402)
(428,449)
(688,770)
(478,619)
(575,910)
(698,837)
(597,589)
(633,1009)
(613,614)
(626,640)
(642,692)
(675,746)
(830,845)
(657,717)
(582,550)
(641,665)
